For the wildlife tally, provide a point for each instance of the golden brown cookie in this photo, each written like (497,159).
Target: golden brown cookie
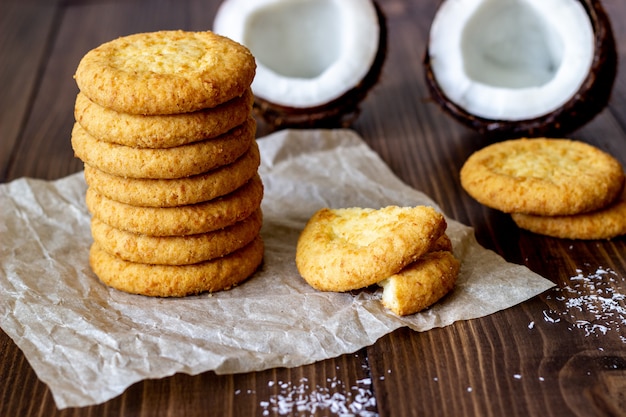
(165,72)
(161,131)
(176,250)
(179,191)
(545,177)
(177,280)
(605,223)
(351,248)
(181,161)
(442,244)
(182,220)
(420,284)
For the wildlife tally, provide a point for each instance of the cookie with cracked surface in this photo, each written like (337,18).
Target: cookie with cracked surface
(420,284)
(178,191)
(176,250)
(181,220)
(177,280)
(165,72)
(606,223)
(542,176)
(168,163)
(161,131)
(443,243)
(351,248)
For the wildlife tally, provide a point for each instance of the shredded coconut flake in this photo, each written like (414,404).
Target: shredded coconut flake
(594,296)
(335,397)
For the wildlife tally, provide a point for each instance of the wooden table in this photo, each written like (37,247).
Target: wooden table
(543,357)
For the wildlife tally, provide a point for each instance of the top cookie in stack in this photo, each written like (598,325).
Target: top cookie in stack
(166,72)
(165,129)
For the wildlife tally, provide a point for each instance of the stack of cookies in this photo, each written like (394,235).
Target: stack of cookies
(555,187)
(164,127)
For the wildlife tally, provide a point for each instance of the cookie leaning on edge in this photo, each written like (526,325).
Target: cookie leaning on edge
(165,72)
(420,284)
(542,176)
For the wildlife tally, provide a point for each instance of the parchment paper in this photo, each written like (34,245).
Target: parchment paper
(88,343)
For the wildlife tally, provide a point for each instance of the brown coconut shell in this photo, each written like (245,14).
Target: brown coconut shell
(342,111)
(592,97)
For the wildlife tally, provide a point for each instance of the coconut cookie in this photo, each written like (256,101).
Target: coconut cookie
(443,243)
(605,223)
(352,248)
(177,191)
(182,220)
(420,284)
(177,280)
(181,161)
(165,72)
(161,131)
(545,177)
(176,250)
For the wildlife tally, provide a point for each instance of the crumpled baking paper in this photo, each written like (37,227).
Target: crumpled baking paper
(88,342)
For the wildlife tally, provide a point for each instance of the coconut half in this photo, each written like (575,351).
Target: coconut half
(316,59)
(521,67)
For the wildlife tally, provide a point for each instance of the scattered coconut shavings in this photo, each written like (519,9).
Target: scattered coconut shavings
(594,296)
(593,303)
(335,397)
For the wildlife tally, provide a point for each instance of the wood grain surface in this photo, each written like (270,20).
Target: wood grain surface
(543,357)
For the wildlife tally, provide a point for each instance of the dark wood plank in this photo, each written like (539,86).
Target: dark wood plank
(25,30)
(537,358)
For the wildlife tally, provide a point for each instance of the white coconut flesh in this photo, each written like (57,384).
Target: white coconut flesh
(308,52)
(511,59)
